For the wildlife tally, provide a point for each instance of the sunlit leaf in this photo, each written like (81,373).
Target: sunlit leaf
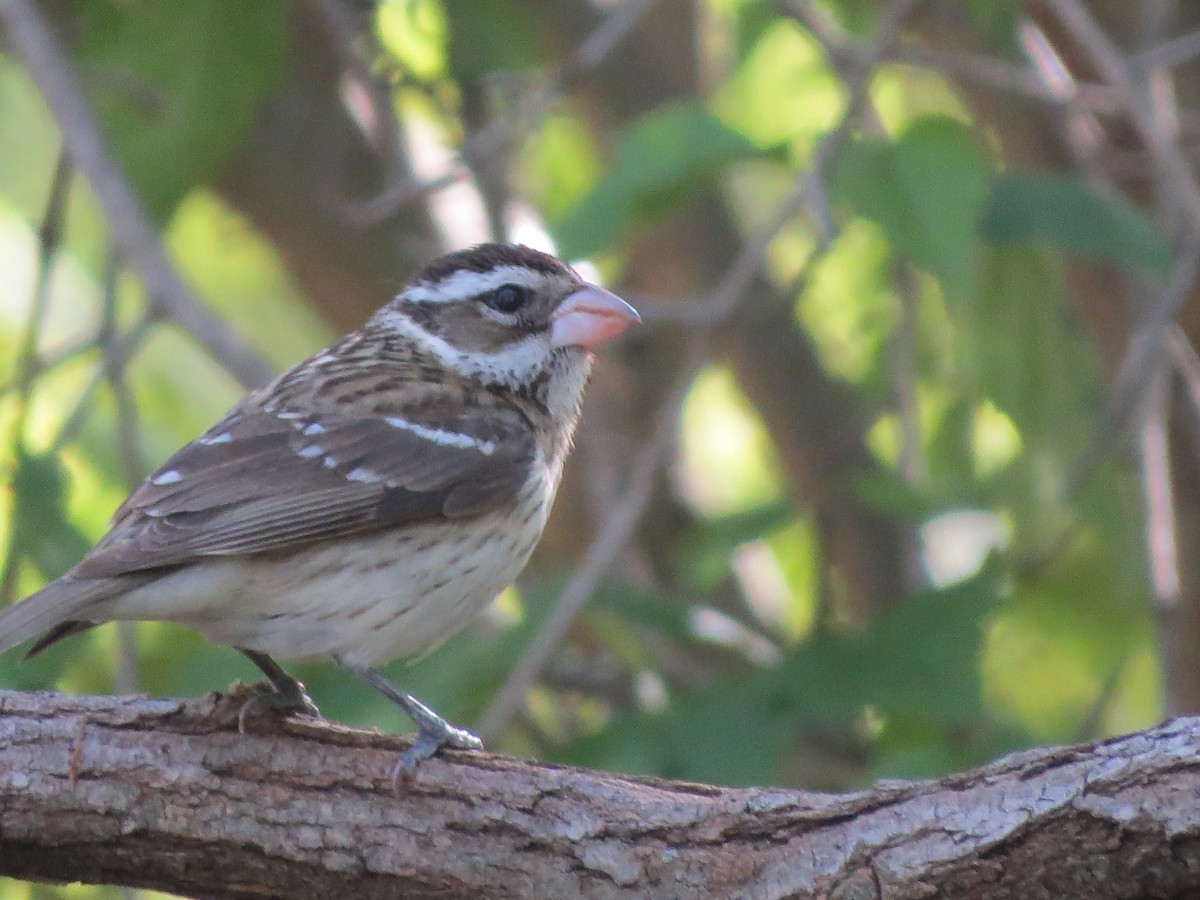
(414,31)
(1021,294)
(849,307)
(783,88)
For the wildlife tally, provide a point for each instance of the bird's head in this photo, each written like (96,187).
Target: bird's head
(506,315)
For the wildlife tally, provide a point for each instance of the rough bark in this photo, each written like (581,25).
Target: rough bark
(167,794)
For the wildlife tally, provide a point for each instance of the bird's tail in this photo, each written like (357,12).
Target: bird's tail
(60,608)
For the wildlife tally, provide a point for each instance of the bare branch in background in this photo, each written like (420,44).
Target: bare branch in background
(131,228)
(986,71)
(1170,164)
(381,125)
(118,349)
(1161,525)
(49,239)
(1177,51)
(1138,364)
(1186,364)
(1177,186)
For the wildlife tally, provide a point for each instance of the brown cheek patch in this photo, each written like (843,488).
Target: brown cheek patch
(474,332)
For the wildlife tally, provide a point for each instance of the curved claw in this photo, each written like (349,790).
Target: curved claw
(433,736)
(266,699)
(433,732)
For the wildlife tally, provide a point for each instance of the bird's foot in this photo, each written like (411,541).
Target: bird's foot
(267,699)
(434,733)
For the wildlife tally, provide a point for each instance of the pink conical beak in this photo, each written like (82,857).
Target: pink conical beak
(589,317)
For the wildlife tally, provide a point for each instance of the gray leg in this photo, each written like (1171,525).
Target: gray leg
(433,732)
(289,695)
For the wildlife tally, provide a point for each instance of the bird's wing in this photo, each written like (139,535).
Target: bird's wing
(270,480)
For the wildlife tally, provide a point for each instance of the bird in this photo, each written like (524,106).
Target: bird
(372,500)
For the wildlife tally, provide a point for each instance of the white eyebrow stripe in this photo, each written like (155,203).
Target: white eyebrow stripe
(444,438)
(465,284)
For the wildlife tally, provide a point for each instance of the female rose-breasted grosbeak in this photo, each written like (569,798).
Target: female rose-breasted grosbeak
(369,502)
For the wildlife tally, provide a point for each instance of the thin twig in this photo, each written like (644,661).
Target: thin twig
(1002,75)
(1160,521)
(1176,183)
(988,71)
(1186,364)
(44,364)
(115,362)
(599,45)
(1177,51)
(49,239)
(33,40)
(126,677)
(902,364)
(379,121)
(120,349)
(1109,62)
(1138,363)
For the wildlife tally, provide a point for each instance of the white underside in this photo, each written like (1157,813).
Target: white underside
(369,599)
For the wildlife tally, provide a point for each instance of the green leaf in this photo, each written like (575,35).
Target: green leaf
(488,37)
(175,85)
(860,19)
(949,452)
(1021,293)
(1066,213)
(661,162)
(927,190)
(42,530)
(888,492)
(997,22)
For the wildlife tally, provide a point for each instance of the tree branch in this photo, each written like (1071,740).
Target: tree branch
(167,794)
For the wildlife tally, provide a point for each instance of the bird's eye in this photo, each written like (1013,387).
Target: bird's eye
(507,298)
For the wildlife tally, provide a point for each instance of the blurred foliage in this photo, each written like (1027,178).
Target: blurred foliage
(664,160)
(176,87)
(1034,625)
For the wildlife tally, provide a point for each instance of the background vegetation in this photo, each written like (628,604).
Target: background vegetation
(900,473)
